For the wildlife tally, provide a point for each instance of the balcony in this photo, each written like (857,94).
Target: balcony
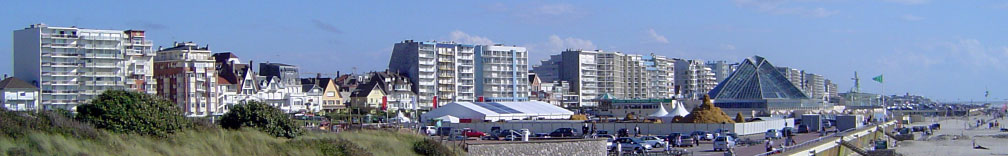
(59,83)
(61,36)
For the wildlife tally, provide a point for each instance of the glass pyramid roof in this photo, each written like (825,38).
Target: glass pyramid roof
(756,78)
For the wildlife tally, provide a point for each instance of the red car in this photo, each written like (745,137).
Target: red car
(473,133)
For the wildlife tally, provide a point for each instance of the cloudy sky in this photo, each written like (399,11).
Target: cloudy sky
(949,50)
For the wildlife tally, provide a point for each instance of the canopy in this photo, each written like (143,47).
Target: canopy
(679,110)
(448,118)
(661,111)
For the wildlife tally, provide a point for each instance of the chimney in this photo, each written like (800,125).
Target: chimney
(318,76)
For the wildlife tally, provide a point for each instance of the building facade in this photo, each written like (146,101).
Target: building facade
(72,65)
(721,69)
(18,95)
(443,72)
(693,78)
(186,75)
(281,87)
(661,76)
(501,73)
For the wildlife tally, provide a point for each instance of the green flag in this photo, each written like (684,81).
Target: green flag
(878,78)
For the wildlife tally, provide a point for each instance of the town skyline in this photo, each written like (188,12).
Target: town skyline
(828,38)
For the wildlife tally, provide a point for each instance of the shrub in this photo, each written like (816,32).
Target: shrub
(20,124)
(432,147)
(331,147)
(132,112)
(261,116)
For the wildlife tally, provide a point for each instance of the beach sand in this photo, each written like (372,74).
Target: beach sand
(949,141)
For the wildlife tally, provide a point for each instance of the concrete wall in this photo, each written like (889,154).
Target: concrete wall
(540,148)
(646,128)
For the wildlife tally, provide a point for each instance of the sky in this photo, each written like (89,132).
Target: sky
(946,50)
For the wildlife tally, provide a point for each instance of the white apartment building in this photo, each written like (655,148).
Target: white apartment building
(281,87)
(693,78)
(502,73)
(594,73)
(186,75)
(815,86)
(72,65)
(661,76)
(441,72)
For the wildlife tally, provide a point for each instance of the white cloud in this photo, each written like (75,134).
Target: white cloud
(974,54)
(657,37)
(726,46)
(462,37)
(570,43)
(783,7)
(909,17)
(908,2)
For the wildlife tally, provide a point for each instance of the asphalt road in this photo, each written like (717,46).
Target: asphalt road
(707,148)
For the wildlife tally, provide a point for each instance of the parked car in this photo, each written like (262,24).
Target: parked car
(803,129)
(723,143)
(773,134)
(687,141)
(444,131)
(622,132)
(509,135)
(654,141)
(633,144)
(731,134)
(472,133)
(563,132)
(430,130)
(703,135)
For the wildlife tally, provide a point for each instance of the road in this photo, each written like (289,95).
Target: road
(706,147)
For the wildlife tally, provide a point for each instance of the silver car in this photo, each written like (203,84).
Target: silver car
(633,144)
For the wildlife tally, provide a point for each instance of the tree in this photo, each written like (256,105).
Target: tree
(261,116)
(133,112)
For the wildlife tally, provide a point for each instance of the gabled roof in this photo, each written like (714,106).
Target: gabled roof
(366,90)
(12,82)
(756,78)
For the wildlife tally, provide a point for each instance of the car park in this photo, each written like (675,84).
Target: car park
(632,144)
(773,134)
(472,133)
(803,129)
(653,141)
(563,132)
(723,143)
(703,135)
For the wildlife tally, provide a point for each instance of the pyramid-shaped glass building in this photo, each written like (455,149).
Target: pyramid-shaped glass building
(756,85)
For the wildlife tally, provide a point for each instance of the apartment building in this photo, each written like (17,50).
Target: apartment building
(281,87)
(186,75)
(722,69)
(72,65)
(442,71)
(693,78)
(501,73)
(236,82)
(593,73)
(661,76)
(815,86)
(796,76)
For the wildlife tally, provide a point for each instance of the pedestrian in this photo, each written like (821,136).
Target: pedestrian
(584,130)
(636,131)
(696,140)
(678,141)
(769,145)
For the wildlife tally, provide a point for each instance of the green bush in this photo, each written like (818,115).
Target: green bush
(261,116)
(20,124)
(132,112)
(432,147)
(331,146)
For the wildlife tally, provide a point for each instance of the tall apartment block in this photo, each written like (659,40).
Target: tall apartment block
(594,73)
(72,65)
(815,86)
(442,72)
(722,69)
(693,78)
(797,77)
(501,73)
(185,75)
(661,76)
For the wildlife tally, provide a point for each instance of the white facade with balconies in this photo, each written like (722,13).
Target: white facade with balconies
(72,65)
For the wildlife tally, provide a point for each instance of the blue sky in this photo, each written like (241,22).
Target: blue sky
(949,50)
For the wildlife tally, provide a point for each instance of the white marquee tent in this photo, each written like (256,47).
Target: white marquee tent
(496,111)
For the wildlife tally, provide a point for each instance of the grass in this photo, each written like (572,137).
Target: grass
(50,133)
(215,142)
